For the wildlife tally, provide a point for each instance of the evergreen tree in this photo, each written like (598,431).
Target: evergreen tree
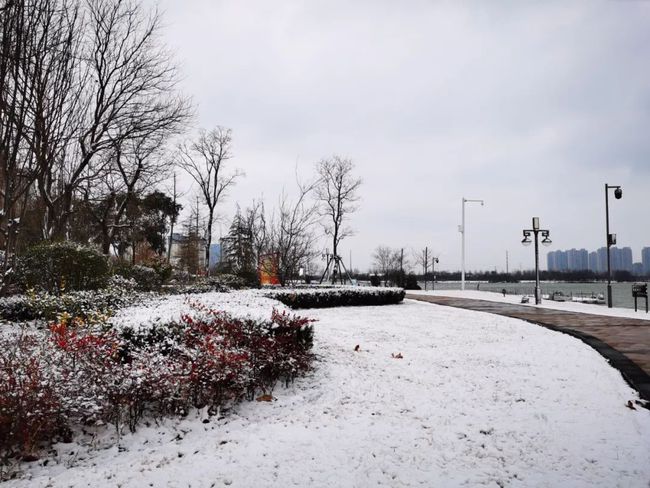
(237,248)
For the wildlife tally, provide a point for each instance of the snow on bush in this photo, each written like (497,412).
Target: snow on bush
(324,297)
(77,374)
(92,305)
(159,310)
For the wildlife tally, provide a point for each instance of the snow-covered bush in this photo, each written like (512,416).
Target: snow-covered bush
(16,308)
(218,283)
(147,278)
(324,297)
(30,403)
(84,374)
(57,266)
(93,305)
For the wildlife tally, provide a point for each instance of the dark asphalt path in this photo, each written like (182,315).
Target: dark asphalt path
(624,342)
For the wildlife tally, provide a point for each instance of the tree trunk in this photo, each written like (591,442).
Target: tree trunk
(106,240)
(208,243)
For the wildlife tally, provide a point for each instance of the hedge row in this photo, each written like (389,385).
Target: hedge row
(321,297)
(86,305)
(50,382)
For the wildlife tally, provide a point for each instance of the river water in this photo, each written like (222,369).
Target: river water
(621,292)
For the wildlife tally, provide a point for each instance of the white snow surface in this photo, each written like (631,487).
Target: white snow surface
(566,306)
(476,400)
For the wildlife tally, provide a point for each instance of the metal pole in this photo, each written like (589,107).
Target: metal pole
(537,290)
(609,269)
(433,272)
(462,254)
(426,266)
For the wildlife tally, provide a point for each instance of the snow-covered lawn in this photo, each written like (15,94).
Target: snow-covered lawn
(566,306)
(477,399)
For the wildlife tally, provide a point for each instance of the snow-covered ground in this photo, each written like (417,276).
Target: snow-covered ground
(476,400)
(566,306)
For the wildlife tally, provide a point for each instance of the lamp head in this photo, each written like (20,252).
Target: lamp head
(618,193)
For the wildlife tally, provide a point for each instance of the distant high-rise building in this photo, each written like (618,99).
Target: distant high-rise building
(602,259)
(577,259)
(551,261)
(645,260)
(593,262)
(621,259)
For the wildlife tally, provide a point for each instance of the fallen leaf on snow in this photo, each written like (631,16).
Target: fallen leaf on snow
(264,398)
(397,356)
(356,348)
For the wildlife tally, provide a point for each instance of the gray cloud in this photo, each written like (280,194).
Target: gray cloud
(531,106)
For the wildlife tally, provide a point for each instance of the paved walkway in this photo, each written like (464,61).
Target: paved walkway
(624,342)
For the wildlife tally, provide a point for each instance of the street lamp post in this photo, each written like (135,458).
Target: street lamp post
(433,271)
(461,229)
(611,238)
(526,242)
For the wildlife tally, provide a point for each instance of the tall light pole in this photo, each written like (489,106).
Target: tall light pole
(611,238)
(461,229)
(526,242)
(433,272)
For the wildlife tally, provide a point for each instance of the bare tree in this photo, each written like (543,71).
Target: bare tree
(38,51)
(384,259)
(291,237)
(134,167)
(127,91)
(286,234)
(391,263)
(337,193)
(255,221)
(425,259)
(204,159)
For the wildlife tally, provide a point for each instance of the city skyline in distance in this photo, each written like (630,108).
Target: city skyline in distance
(622,259)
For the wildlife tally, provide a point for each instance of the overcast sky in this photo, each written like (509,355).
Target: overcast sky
(529,106)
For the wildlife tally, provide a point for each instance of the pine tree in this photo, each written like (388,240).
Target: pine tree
(237,249)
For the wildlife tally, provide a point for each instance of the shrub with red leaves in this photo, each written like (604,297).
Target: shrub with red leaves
(84,375)
(30,403)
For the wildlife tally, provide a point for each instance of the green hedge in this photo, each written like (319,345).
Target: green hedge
(87,305)
(337,297)
(146,278)
(62,266)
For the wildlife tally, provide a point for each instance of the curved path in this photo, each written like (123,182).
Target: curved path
(624,342)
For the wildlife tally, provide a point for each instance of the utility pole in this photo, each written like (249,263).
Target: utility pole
(433,272)
(426,266)
(506,262)
(611,238)
(461,229)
